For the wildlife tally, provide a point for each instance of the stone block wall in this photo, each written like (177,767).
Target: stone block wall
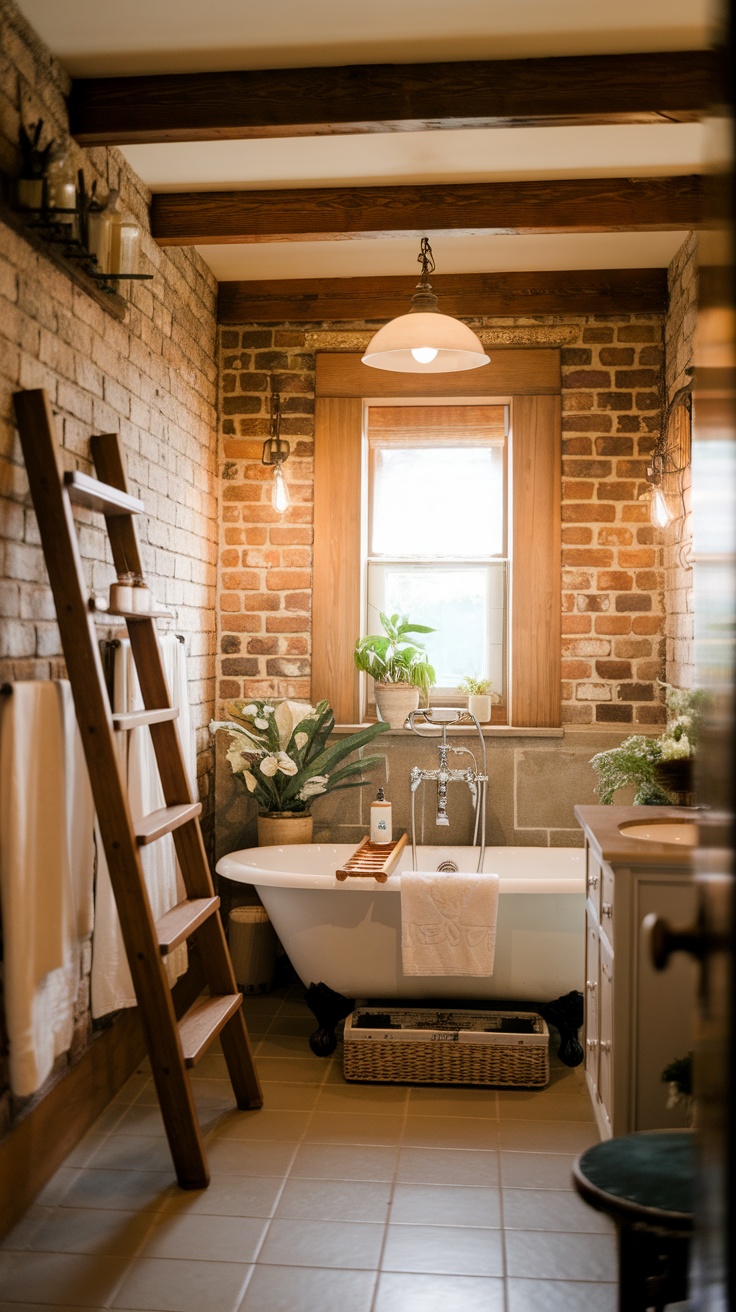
(612,561)
(151,378)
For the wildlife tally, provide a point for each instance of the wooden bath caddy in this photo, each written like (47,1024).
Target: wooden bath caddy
(372,860)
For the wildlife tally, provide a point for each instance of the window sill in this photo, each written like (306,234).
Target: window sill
(460,730)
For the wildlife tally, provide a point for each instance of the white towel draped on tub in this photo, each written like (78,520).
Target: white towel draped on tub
(448,923)
(46,874)
(112,986)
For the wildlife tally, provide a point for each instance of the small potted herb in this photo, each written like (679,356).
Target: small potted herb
(480,697)
(399,666)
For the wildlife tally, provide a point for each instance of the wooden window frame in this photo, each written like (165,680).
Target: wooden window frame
(531,380)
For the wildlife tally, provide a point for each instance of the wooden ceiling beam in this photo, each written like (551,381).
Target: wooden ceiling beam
(335,213)
(576,291)
(287,102)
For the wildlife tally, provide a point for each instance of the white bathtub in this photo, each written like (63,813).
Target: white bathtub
(348,935)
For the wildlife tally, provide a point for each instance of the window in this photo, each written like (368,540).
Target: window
(524,381)
(436,534)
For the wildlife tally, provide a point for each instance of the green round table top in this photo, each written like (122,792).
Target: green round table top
(652,1170)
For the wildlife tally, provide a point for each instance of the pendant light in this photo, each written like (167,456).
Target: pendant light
(425,341)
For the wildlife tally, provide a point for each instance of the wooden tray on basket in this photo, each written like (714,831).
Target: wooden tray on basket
(372,860)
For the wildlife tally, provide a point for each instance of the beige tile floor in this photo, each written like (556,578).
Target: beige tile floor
(334,1198)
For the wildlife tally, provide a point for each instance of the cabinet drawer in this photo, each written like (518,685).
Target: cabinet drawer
(607,902)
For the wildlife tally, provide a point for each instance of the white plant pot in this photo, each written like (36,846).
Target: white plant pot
(395,701)
(480,707)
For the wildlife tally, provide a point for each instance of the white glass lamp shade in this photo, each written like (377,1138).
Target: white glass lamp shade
(425,343)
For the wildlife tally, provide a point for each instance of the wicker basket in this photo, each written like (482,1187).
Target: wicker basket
(456,1047)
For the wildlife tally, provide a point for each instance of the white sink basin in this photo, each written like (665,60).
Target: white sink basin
(683,832)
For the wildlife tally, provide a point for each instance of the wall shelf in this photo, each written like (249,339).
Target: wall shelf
(46,235)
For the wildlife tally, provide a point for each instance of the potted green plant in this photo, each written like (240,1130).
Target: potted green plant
(279,749)
(660,769)
(399,667)
(480,696)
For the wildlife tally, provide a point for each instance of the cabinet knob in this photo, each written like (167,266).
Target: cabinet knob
(664,940)
(591,1043)
(591,984)
(592,881)
(607,909)
(605,1045)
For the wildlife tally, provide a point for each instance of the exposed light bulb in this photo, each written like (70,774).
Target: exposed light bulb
(660,511)
(424,354)
(280,499)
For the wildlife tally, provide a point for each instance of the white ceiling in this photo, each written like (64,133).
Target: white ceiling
(98,39)
(94,38)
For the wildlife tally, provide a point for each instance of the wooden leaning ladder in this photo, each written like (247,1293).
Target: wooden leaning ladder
(173,1046)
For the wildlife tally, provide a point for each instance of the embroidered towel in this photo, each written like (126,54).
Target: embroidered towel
(448,923)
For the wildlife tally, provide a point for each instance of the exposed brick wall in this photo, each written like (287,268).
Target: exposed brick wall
(152,379)
(613,620)
(682,280)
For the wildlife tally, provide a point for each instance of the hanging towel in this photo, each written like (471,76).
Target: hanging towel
(80,815)
(112,986)
(41,969)
(448,923)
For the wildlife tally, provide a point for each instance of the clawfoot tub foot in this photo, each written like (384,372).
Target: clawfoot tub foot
(329,1008)
(566,1014)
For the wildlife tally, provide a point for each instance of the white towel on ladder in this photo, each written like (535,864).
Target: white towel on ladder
(112,986)
(46,871)
(448,923)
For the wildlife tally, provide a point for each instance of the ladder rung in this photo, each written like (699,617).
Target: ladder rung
(153,826)
(87,491)
(182,920)
(203,1022)
(134,719)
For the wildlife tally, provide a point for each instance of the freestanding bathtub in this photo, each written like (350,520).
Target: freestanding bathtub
(348,935)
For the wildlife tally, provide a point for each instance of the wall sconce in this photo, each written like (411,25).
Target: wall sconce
(275,452)
(659,509)
(425,341)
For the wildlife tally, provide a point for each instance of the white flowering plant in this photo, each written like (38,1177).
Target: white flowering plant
(638,759)
(279,749)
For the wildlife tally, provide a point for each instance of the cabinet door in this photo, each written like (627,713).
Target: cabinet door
(591,1005)
(593,880)
(665,1003)
(605,1030)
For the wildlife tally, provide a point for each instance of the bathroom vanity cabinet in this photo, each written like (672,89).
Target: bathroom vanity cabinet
(637,1019)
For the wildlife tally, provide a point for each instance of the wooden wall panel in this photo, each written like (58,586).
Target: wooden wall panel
(536,581)
(336,588)
(511,372)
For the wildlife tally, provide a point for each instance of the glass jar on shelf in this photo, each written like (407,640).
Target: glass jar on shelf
(61,187)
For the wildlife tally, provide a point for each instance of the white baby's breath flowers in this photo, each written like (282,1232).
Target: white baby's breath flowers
(260,723)
(675,749)
(249,710)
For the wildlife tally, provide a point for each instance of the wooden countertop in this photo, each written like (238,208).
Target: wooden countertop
(602,826)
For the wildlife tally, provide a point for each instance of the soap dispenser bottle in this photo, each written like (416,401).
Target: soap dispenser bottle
(381,823)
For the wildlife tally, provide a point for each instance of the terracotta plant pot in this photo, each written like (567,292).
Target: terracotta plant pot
(280,828)
(394,701)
